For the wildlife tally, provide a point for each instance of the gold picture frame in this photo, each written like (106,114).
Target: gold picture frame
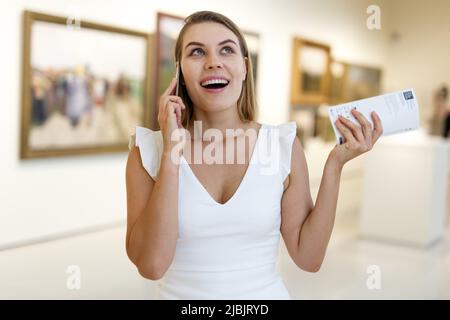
(75,96)
(310,72)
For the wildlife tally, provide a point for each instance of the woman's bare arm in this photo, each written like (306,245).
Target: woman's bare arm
(307,229)
(152,207)
(152,215)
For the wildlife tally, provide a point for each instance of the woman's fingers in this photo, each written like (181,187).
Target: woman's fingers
(178,114)
(171,106)
(354,129)
(177,100)
(364,136)
(378,127)
(366,126)
(174,108)
(165,101)
(346,132)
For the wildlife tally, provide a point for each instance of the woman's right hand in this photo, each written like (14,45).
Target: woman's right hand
(169,116)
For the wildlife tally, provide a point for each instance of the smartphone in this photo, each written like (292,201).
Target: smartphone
(177,76)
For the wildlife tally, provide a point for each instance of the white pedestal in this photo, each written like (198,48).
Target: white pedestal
(405,189)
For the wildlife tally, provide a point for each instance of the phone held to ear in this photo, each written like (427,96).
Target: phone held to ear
(177,76)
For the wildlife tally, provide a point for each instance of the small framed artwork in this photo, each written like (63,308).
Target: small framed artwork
(167,29)
(348,82)
(351,82)
(84,86)
(252,40)
(338,76)
(361,82)
(310,72)
(253,43)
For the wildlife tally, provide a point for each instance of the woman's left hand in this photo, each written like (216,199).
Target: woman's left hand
(358,140)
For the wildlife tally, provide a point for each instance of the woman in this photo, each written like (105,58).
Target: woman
(212,230)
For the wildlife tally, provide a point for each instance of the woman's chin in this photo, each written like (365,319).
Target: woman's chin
(214,105)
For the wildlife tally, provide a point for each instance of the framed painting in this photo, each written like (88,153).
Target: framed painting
(361,82)
(84,86)
(253,43)
(351,82)
(338,76)
(310,72)
(348,82)
(167,30)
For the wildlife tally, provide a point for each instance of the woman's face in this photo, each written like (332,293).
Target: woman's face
(213,66)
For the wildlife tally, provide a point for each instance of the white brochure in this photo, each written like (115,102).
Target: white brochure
(398,111)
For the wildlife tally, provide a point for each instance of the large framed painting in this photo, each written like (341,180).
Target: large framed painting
(84,86)
(167,29)
(310,72)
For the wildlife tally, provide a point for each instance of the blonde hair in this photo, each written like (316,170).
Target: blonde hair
(246,104)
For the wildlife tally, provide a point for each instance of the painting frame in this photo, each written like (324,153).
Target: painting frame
(30,18)
(300,96)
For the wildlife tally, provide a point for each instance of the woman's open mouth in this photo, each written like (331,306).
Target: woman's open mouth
(215,85)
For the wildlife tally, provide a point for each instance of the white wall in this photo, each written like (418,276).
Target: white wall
(48,197)
(419,58)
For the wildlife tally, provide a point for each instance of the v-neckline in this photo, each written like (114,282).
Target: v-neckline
(244,178)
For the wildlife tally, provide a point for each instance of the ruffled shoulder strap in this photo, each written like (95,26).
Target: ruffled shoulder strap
(287,133)
(150,145)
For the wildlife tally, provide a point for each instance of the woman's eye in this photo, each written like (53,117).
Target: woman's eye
(227,50)
(196,52)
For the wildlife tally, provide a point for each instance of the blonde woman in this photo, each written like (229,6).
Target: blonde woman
(211,229)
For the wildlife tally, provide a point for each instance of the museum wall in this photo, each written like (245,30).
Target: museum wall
(418,50)
(55,196)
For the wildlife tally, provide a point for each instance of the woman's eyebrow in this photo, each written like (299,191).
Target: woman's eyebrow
(194,43)
(226,41)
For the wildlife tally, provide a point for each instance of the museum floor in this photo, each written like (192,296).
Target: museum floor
(39,271)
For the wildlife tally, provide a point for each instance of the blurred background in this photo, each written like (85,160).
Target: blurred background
(79,75)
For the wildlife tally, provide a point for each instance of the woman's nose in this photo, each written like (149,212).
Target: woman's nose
(213,62)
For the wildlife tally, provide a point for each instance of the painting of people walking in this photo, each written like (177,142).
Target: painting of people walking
(84,86)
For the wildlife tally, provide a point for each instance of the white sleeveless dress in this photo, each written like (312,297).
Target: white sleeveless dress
(227,251)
